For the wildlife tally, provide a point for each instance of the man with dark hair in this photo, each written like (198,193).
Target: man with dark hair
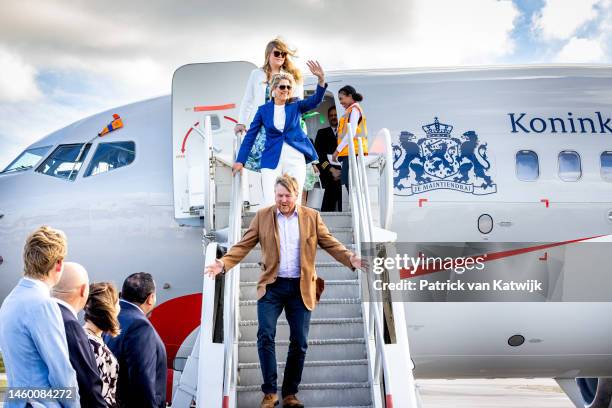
(325,144)
(139,349)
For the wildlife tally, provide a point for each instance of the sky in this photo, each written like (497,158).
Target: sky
(63,60)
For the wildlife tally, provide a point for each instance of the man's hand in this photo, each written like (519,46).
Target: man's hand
(335,156)
(358,263)
(315,169)
(335,173)
(214,269)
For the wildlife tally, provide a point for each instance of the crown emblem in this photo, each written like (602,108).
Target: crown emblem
(437,129)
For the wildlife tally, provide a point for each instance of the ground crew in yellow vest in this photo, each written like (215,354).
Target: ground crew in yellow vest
(349,99)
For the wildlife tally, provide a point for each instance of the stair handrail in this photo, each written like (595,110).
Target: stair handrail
(230,311)
(362,213)
(209,177)
(385,192)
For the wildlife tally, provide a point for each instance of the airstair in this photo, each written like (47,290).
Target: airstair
(358,354)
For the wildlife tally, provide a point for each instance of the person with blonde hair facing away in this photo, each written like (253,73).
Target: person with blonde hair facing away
(32,334)
(101,313)
(71,294)
(287,148)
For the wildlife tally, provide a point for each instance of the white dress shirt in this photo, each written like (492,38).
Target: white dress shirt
(289,234)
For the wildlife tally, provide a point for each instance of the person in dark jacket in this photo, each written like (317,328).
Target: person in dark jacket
(71,294)
(325,144)
(138,348)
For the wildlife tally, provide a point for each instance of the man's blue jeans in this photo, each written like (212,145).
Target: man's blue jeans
(284,293)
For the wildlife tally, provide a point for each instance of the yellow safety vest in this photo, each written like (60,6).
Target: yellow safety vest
(360,132)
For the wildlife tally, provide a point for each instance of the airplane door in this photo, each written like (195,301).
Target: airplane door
(214,89)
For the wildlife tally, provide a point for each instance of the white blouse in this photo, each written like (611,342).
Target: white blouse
(279,117)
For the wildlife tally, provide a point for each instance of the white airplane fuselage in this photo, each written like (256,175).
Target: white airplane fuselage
(124,221)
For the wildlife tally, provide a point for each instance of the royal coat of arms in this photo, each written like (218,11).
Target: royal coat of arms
(441,161)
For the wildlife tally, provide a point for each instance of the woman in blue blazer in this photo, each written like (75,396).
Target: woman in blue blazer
(287,148)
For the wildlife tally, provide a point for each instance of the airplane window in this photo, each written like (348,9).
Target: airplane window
(606,166)
(111,156)
(27,159)
(65,161)
(569,166)
(527,165)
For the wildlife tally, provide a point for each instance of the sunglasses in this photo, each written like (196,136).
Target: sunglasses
(280,54)
(283,87)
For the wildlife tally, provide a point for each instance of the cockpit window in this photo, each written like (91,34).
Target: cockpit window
(27,159)
(527,165)
(65,161)
(111,156)
(606,166)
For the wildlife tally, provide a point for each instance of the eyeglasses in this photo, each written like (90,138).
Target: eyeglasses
(280,54)
(283,87)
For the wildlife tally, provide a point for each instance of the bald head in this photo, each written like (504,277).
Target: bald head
(73,287)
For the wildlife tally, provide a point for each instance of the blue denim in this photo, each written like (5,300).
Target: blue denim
(284,293)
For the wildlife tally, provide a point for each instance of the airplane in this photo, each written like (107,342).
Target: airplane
(492,154)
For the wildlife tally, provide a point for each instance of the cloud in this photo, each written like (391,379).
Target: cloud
(78,57)
(560,19)
(17,79)
(581,50)
(575,32)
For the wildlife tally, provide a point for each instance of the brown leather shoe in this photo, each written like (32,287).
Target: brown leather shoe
(292,401)
(269,401)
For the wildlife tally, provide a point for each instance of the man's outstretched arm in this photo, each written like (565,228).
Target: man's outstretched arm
(238,251)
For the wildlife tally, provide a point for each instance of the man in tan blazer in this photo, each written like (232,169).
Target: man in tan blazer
(289,235)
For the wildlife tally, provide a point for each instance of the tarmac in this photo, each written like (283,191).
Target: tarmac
(481,393)
(493,393)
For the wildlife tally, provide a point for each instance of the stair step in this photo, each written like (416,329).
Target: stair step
(331,219)
(318,349)
(350,327)
(314,371)
(323,395)
(334,289)
(250,272)
(327,308)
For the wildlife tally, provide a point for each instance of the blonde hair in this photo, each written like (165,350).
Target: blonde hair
(43,249)
(289,182)
(287,66)
(276,78)
(101,305)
